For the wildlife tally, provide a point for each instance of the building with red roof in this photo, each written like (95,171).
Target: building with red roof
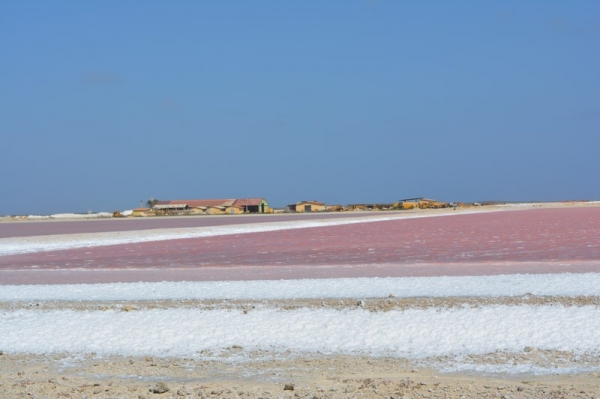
(217,206)
(307,206)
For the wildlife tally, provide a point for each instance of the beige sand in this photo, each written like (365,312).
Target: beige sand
(305,377)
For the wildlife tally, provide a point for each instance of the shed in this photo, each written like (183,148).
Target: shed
(253,205)
(308,206)
(172,207)
(198,210)
(230,205)
(234,210)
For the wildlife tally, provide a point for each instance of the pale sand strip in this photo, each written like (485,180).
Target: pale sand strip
(370,304)
(265,376)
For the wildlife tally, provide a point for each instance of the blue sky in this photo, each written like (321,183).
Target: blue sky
(107,103)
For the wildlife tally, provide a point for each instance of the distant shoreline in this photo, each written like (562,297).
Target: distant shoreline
(108,216)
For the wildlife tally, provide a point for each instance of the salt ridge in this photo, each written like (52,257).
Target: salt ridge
(566,284)
(412,333)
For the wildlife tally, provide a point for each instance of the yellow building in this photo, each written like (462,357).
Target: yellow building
(217,206)
(234,210)
(215,210)
(307,206)
(198,210)
(142,212)
(422,203)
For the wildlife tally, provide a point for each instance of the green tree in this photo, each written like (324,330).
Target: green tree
(151,202)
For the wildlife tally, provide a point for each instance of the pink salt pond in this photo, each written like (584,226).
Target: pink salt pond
(526,241)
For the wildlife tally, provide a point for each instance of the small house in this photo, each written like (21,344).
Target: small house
(307,206)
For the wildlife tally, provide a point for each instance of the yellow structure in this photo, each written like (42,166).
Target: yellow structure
(236,210)
(215,210)
(142,212)
(422,203)
(357,207)
(429,204)
(198,210)
(216,206)
(309,206)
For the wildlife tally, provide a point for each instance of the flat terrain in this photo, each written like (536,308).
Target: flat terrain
(237,373)
(30,228)
(548,240)
(545,239)
(319,376)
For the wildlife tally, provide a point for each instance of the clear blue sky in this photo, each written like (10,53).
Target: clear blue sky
(106,103)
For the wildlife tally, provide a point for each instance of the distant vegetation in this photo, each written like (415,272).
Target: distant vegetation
(151,202)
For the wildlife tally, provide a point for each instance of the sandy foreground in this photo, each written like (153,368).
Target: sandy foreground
(236,373)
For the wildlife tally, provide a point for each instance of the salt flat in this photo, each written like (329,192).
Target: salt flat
(397,331)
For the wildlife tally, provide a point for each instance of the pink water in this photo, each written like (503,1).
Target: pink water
(31,228)
(531,241)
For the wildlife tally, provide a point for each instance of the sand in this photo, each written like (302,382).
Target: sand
(304,377)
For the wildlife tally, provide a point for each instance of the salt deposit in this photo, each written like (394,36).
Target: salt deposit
(97,215)
(411,333)
(454,334)
(567,284)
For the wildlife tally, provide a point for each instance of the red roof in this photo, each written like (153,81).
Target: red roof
(248,201)
(192,203)
(310,202)
(215,202)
